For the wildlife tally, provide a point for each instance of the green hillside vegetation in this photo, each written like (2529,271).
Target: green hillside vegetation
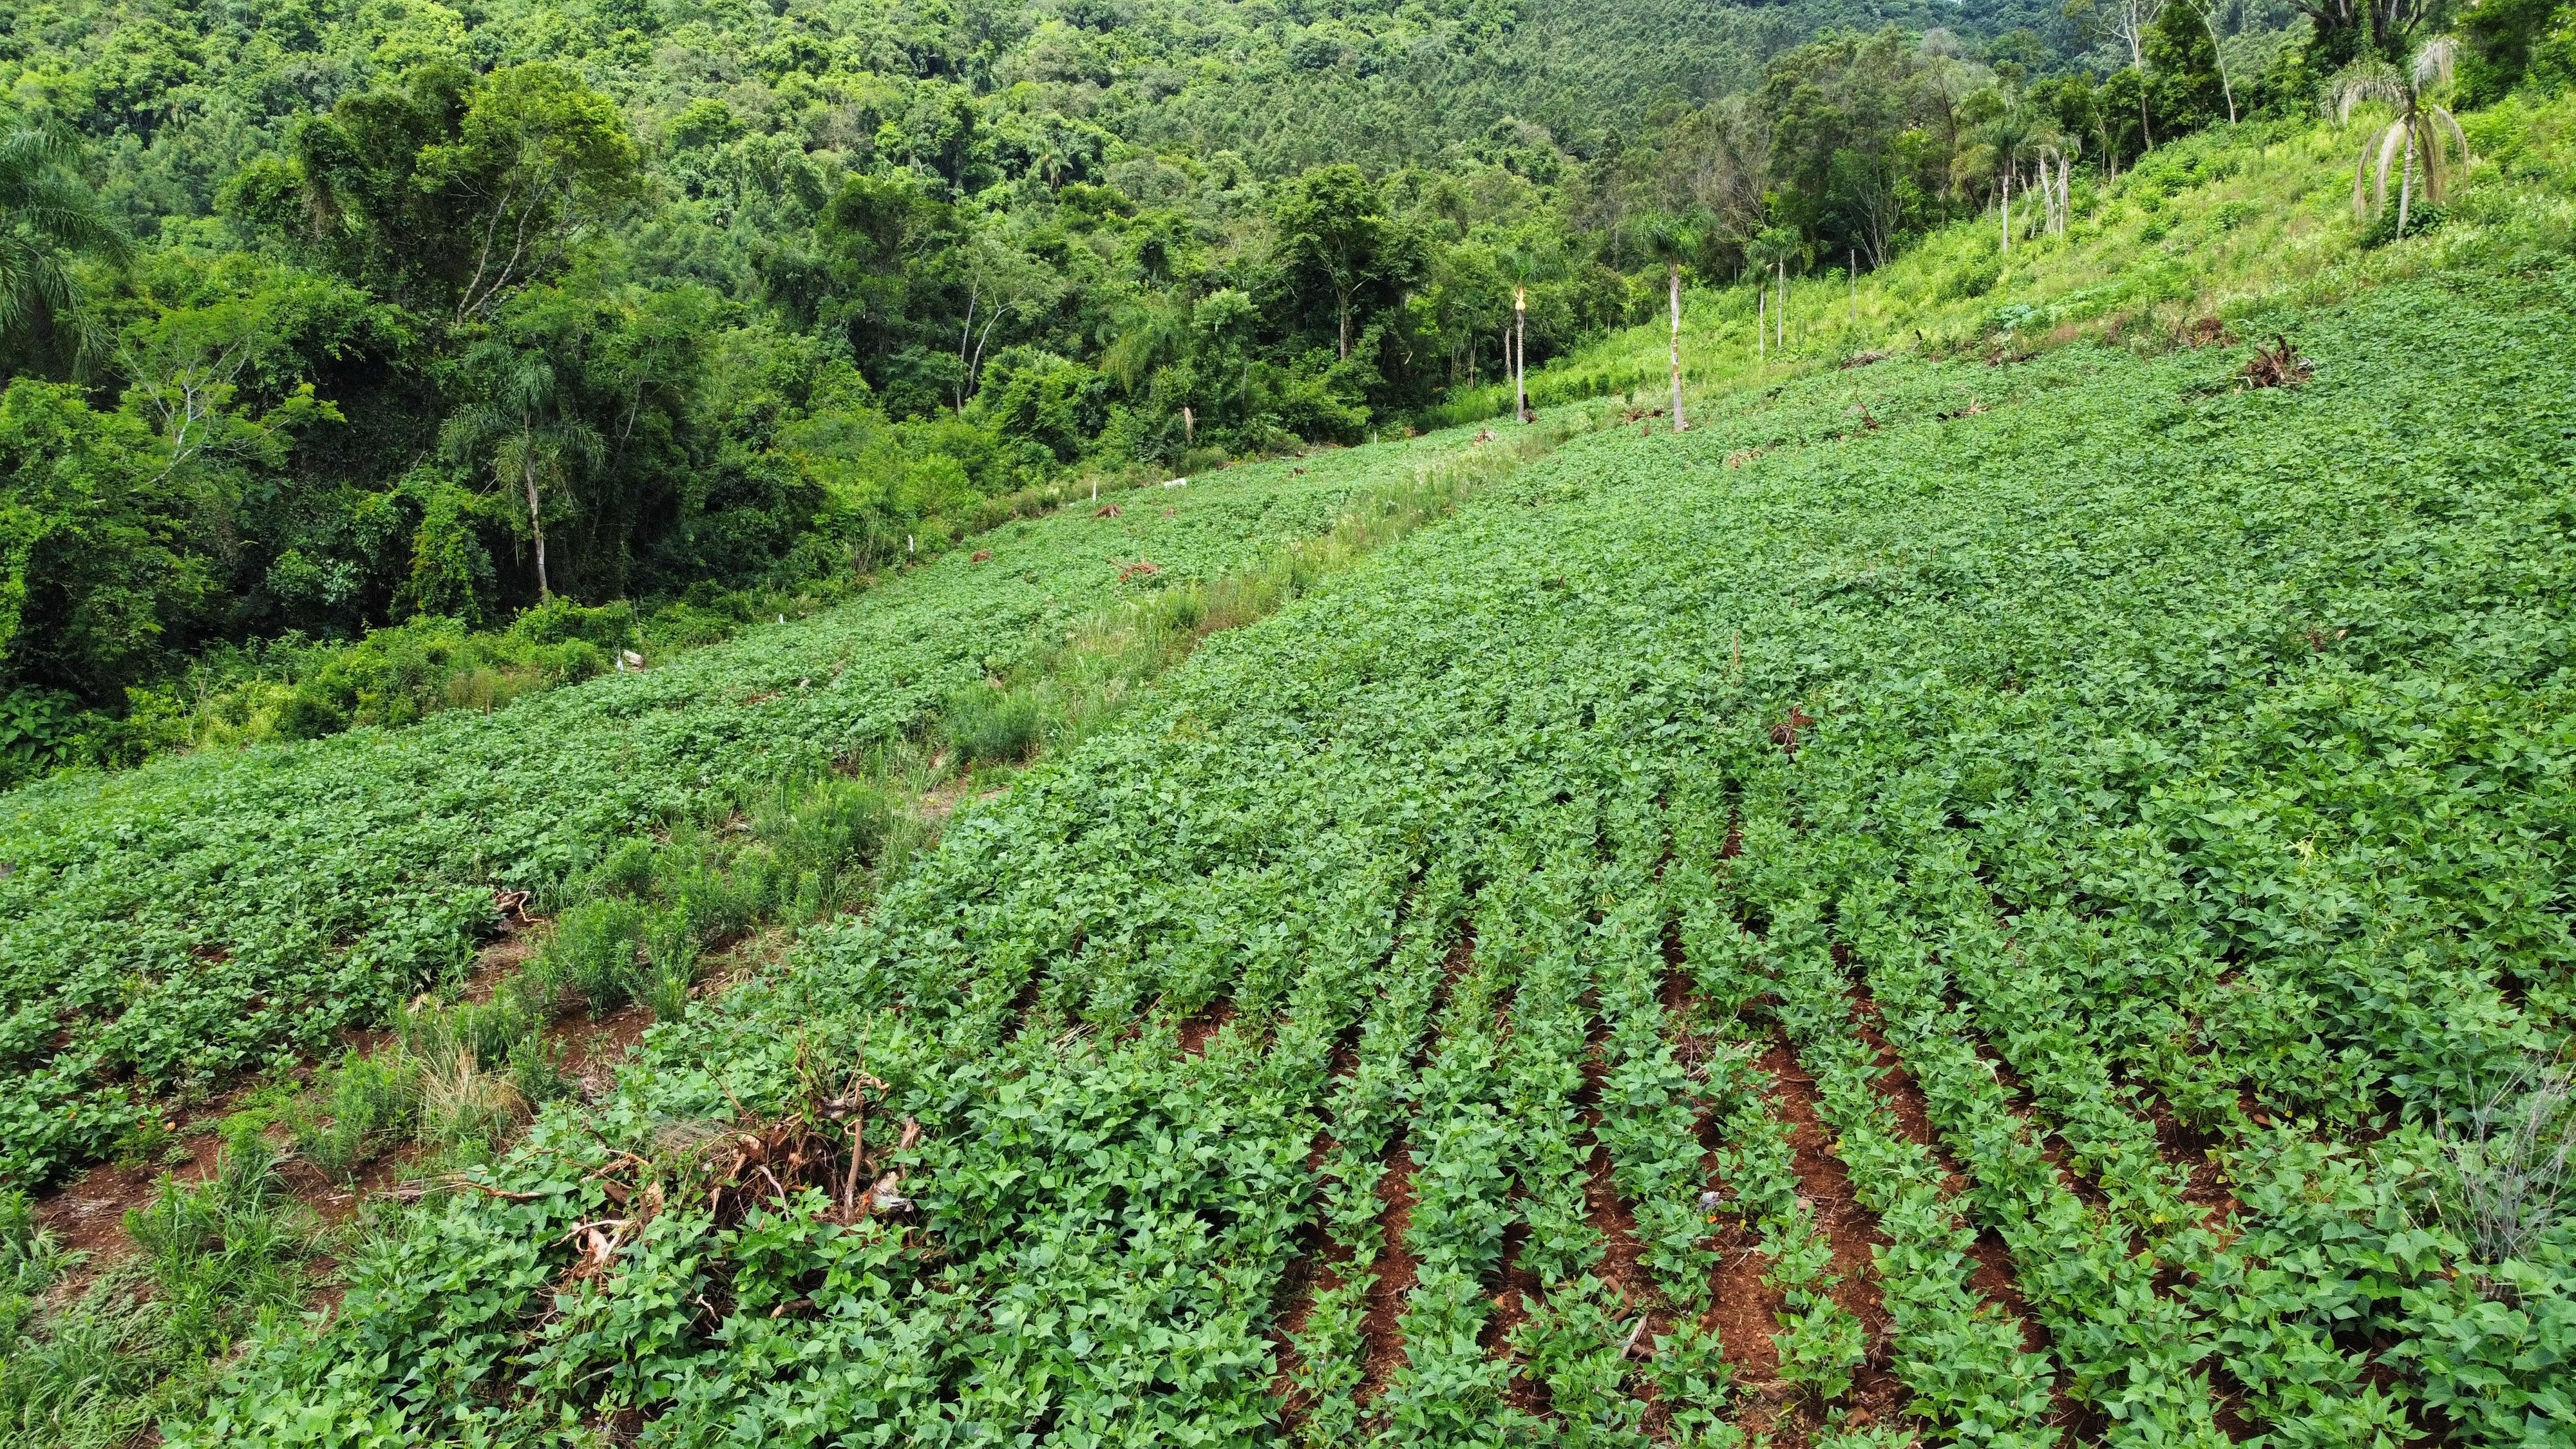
(677,844)
(789,297)
(172,927)
(2086,732)
(2226,224)
(678,826)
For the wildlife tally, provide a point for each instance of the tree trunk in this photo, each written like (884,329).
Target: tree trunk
(528,477)
(973,293)
(1520,352)
(1762,320)
(1189,426)
(2406,181)
(1343,304)
(1678,423)
(2007,211)
(1782,271)
(2219,50)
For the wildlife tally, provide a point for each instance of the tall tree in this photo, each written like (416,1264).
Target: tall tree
(1336,241)
(522,433)
(1769,254)
(2350,30)
(2008,138)
(1525,261)
(48,216)
(1672,240)
(2188,81)
(457,191)
(96,568)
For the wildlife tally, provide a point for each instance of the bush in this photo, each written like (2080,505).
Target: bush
(1969,280)
(367,1099)
(825,837)
(626,871)
(714,903)
(2421,217)
(671,963)
(309,715)
(595,944)
(37,732)
(1001,726)
(559,620)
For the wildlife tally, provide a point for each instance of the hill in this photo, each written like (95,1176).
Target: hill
(1967,898)
(2008,885)
(789,295)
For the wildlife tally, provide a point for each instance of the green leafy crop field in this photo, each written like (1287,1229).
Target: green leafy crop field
(169,928)
(1968,901)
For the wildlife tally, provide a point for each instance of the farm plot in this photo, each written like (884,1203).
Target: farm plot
(1950,901)
(169,927)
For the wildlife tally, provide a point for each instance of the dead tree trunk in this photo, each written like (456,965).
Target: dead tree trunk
(1676,273)
(1520,351)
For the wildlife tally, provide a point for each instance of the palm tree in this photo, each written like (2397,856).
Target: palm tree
(522,434)
(1522,265)
(2013,137)
(2420,125)
(1151,333)
(47,216)
(1671,239)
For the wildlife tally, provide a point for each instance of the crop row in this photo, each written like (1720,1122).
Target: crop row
(1961,1356)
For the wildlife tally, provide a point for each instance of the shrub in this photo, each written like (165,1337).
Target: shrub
(595,943)
(462,1105)
(989,725)
(627,871)
(368,1098)
(309,715)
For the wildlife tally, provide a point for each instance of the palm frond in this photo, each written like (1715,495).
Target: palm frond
(2361,177)
(2360,83)
(33,147)
(468,429)
(2443,123)
(2394,140)
(2434,61)
(47,214)
(62,209)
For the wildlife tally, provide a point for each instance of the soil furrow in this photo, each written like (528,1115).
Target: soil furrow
(1381,1341)
(1520,1286)
(1849,1228)
(1209,1020)
(1993,1280)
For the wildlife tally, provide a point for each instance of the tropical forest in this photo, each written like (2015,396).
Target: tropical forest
(1342,724)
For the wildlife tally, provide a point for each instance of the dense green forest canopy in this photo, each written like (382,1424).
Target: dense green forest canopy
(323,318)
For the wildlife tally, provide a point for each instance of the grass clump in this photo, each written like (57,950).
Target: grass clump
(86,1367)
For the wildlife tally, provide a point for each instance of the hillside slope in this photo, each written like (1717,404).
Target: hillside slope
(164,930)
(2228,224)
(1966,912)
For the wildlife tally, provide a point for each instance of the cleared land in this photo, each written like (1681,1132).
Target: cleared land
(1950,898)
